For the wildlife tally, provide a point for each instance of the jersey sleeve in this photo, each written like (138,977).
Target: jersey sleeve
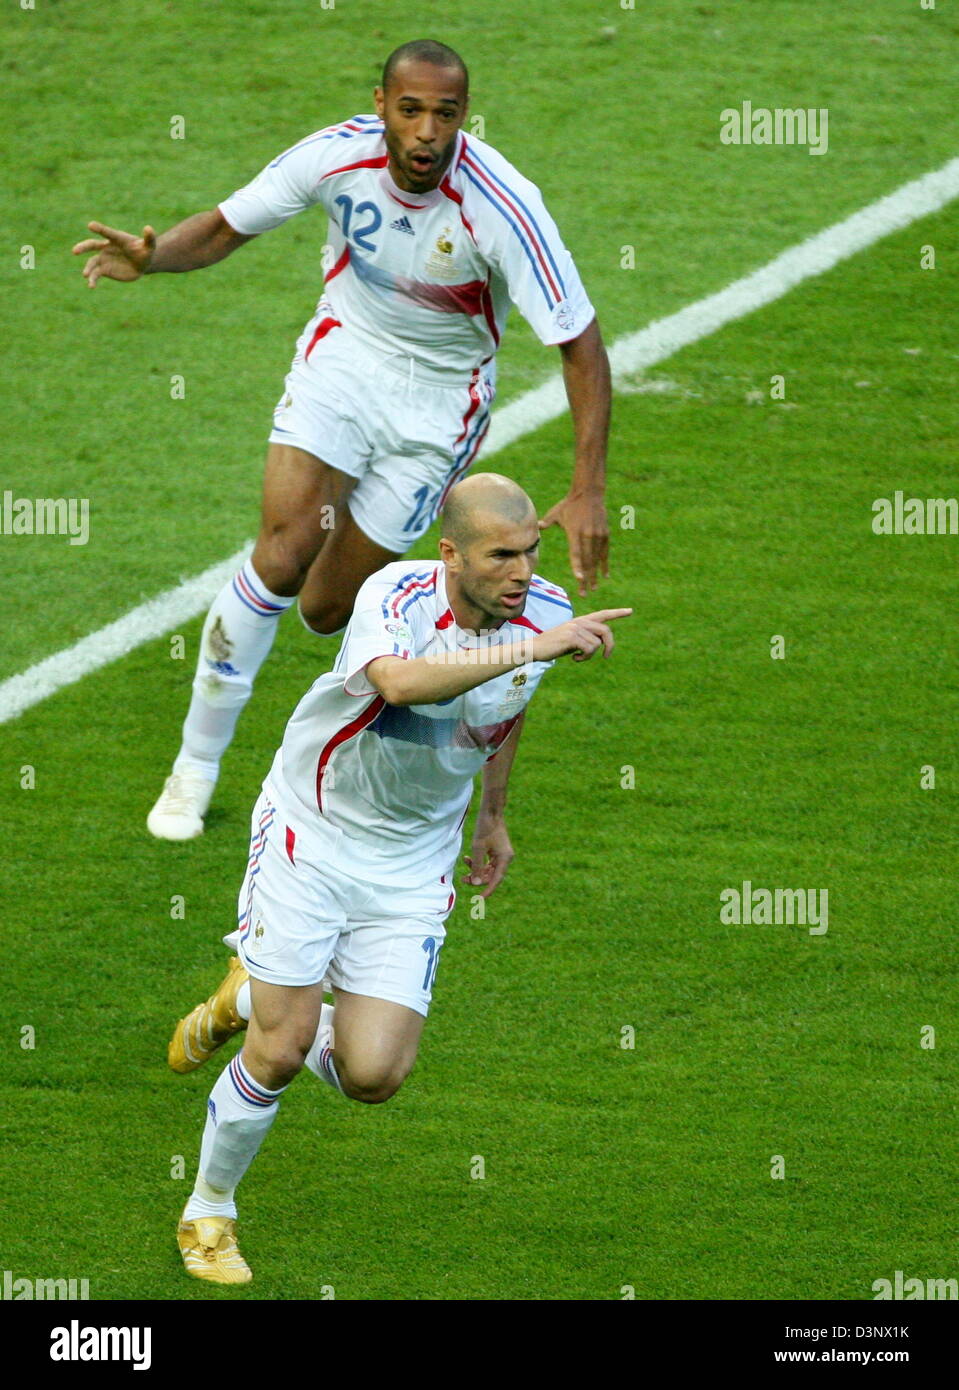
(289,184)
(375,630)
(547,606)
(528,254)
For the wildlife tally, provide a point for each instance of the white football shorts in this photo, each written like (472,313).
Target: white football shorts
(405,432)
(301,917)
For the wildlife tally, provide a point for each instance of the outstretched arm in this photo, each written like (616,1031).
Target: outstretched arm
(582,513)
(425,680)
(198,241)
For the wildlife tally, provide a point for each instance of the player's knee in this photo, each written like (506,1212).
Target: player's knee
(371,1094)
(326,614)
(282,559)
(279,1058)
(372,1085)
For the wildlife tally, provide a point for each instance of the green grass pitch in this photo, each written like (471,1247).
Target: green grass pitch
(605,1166)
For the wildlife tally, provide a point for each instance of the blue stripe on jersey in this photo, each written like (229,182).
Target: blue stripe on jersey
(558,601)
(404,724)
(480,421)
(420,593)
(402,583)
(462,460)
(548,598)
(504,212)
(329,134)
(517,199)
(428,592)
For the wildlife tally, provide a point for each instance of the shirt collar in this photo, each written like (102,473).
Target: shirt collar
(400,195)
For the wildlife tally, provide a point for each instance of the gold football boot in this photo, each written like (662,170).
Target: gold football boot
(210,1025)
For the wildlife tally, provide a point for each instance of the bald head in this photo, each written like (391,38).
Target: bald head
(482,503)
(489,545)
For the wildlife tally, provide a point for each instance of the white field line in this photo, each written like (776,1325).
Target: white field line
(664,337)
(152,619)
(655,343)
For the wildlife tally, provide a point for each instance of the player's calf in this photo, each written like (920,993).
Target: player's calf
(348,557)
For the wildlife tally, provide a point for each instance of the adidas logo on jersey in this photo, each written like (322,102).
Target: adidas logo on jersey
(402,224)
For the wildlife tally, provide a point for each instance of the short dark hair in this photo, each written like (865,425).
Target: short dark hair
(425,51)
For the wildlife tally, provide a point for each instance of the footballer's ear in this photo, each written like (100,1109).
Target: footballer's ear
(380,100)
(448,552)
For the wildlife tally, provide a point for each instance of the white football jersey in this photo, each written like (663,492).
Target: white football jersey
(397,780)
(429,275)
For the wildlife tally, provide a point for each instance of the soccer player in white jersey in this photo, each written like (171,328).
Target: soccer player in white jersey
(357,832)
(433,235)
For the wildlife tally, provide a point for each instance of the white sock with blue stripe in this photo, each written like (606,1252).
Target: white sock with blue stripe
(319,1059)
(237,636)
(239,1113)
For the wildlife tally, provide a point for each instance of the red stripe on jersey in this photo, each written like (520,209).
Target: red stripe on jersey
(348,731)
(466,464)
(447,620)
(347,125)
(379,163)
(290,844)
(322,328)
(485,305)
(467,297)
(340,265)
(451,193)
(498,735)
(486,302)
(416,207)
(410,588)
(497,192)
(524,622)
(472,408)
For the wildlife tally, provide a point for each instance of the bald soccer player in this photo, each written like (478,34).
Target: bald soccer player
(357,831)
(433,234)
